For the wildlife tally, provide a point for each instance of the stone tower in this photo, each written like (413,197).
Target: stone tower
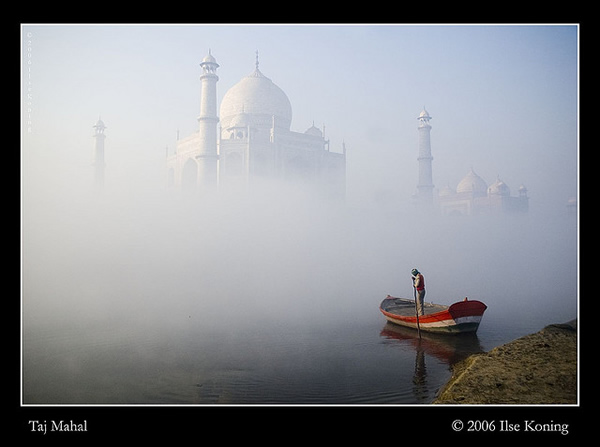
(425,185)
(207,157)
(98,163)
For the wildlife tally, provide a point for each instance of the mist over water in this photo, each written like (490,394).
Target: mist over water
(280,254)
(264,296)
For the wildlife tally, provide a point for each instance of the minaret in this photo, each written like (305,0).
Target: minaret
(207,124)
(99,153)
(425,185)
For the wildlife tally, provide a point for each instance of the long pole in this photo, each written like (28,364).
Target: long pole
(416,309)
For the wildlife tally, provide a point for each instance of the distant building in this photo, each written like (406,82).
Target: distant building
(472,195)
(98,157)
(250,140)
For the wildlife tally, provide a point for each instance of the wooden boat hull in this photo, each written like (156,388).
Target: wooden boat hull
(462,316)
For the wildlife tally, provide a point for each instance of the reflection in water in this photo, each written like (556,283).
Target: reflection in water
(448,349)
(420,376)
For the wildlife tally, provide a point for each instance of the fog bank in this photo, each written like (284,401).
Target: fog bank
(159,257)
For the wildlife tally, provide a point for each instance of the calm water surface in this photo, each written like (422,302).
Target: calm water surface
(363,360)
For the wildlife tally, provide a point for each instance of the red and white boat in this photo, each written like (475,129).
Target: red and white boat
(462,316)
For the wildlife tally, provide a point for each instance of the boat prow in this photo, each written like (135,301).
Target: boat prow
(462,316)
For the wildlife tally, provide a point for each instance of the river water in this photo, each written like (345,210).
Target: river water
(355,359)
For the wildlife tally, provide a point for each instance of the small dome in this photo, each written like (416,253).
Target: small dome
(315,131)
(99,126)
(424,118)
(499,188)
(258,97)
(210,59)
(473,184)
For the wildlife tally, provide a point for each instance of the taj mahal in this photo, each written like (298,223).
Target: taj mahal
(472,196)
(248,142)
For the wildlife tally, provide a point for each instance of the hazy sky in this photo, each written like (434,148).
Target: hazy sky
(504,99)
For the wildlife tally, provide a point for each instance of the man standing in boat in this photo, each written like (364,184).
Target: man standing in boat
(419,285)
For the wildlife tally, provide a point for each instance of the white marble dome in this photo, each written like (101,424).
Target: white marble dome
(259,99)
(499,188)
(424,114)
(473,184)
(209,58)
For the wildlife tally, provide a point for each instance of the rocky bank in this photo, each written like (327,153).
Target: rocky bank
(539,368)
